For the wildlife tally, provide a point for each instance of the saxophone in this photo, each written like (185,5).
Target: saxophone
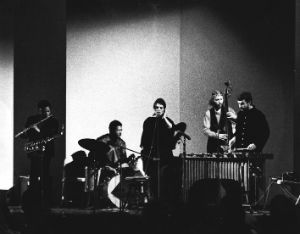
(40,145)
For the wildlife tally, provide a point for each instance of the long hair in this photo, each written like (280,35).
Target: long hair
(214,94)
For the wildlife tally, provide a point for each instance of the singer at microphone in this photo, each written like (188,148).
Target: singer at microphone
(160,113)
(157,144)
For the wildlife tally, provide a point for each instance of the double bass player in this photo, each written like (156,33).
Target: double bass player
(216,126)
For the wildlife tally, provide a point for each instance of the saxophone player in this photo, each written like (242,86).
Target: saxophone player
(41,126)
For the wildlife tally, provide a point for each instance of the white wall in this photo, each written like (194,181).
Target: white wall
(116,68)
(6,116)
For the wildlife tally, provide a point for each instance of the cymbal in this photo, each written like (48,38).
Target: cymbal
(93,145)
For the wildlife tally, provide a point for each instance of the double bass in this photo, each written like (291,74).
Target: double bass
(228,126)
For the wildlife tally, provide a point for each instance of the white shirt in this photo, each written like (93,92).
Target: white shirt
(206,123)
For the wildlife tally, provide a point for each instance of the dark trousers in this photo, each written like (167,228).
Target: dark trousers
(164,181)
(40,175)
(156,173)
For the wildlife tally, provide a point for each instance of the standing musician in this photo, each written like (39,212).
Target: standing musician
(40,159)
(252,133)
(214,123)
(252,129)
(157,143)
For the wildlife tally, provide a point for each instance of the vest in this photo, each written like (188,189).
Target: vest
(213,144)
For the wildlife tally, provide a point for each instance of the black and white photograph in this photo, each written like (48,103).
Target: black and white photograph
(150,116)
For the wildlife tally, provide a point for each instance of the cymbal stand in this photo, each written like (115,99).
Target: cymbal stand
(122,204)
(95,173)
(183,163)
(91,171)
(184,147)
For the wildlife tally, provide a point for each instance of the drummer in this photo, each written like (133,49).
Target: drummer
(116,154)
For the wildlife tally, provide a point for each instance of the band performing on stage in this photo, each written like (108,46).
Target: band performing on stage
(105,173)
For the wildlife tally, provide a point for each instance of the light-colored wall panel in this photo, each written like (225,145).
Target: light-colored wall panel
(6,96)
(115,70)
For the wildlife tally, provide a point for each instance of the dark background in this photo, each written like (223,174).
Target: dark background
(39,73)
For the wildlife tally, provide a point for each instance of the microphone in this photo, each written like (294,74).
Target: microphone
(184,134)
(157,116)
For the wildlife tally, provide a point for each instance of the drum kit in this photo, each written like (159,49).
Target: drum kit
(123,187)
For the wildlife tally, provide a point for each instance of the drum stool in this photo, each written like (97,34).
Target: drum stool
(138,191)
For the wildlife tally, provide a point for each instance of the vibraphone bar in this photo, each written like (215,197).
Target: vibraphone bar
(235,166)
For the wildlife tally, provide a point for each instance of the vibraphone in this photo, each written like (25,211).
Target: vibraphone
(235,166)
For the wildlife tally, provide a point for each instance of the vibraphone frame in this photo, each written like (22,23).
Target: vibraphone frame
(219,166)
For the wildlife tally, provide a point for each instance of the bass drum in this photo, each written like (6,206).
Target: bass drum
(112,190)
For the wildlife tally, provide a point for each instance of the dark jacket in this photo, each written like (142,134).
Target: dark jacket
(251,127)
(157,139)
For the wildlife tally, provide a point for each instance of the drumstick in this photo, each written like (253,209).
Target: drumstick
(130,150)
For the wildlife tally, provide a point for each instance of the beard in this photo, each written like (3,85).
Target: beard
(159,115)
(217,106)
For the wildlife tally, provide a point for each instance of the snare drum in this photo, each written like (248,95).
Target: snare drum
(133,191)
(137,165)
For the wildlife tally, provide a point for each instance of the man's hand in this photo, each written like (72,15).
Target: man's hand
(111,169)
(251,147)
(164,115)
(36,128)
(222,137)
(231,115)
(111,148)
(231,142)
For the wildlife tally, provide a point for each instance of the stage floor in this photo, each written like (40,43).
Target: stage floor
(79,211)
(92,210)
(112,220)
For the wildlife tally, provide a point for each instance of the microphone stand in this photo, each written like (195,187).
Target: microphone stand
(151,158)
(95,173)
(158,162)
(158,176)
(122,204)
